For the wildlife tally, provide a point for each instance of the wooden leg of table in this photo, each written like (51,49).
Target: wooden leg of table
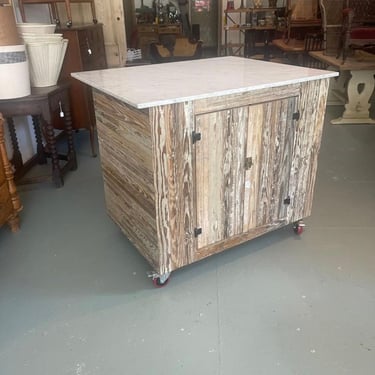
(69,13)
(14,223)
(55,13)
(39,141)
(69,131)
(22,10)
(360,88)
(13,220)
(94,19)
(51,142)
(17,156)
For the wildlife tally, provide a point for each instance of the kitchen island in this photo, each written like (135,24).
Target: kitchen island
(199,156)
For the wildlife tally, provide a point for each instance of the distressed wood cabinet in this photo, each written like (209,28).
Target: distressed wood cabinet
(195,171)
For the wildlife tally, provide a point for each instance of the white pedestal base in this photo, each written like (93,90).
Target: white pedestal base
(359,90)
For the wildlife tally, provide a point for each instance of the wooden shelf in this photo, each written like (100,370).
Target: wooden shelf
(252,10)
(246,24)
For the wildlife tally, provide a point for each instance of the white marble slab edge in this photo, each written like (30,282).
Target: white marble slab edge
(160,84)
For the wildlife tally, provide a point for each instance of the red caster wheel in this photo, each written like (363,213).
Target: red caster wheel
(160,281)
(298,227)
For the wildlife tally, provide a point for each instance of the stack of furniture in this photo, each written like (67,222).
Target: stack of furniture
(10,204)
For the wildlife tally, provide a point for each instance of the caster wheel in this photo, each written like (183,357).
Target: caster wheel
(95,20)
(298,227)
(158,283)
(69,24)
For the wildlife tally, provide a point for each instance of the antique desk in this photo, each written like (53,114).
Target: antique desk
(356,89)
(42,105)
(196,165)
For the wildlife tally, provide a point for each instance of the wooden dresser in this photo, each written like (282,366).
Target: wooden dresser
(10,203)
(85,51)
(150,33)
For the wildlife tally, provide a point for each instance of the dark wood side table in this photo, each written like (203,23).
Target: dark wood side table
(42,105)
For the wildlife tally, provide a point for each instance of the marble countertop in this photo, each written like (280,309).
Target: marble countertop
(159,84)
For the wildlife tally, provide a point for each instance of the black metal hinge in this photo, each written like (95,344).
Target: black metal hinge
(196,136)
(197,232)
(296,116)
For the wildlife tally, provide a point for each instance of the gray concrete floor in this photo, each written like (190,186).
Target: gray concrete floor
(75,298)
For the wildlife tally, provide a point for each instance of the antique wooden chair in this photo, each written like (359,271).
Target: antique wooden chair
(358,27)
(300,20)
(331,24)
(313,42)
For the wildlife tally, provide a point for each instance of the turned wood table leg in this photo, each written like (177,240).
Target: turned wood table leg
(55,13)
(39,141)
(51,143)
(94,19)
(357,109)
(69,132)
(13,219)
(14,223)
(22,10)
(17,156)
(69,13)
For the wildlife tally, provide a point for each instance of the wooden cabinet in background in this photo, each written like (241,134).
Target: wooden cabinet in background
(85,51)
(10,203)
(149,33)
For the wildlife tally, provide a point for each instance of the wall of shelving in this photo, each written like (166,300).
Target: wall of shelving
(239,21)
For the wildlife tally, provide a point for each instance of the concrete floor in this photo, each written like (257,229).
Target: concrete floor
(75,298)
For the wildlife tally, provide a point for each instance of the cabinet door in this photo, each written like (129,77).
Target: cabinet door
(242,168)
(92,50)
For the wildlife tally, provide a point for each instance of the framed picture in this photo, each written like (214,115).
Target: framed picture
(201,5)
